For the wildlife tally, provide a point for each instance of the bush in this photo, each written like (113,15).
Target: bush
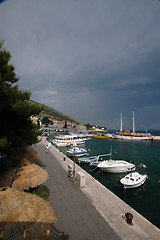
(41,191)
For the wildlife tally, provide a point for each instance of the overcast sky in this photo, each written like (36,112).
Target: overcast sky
(91,59)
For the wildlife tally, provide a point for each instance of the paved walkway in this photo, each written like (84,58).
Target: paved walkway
(92,212)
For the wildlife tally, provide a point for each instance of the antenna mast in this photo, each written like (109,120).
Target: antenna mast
(133,124)
(121,124)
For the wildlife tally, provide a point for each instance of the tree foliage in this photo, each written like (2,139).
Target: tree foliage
(16,128)
(65,125)
(46,121)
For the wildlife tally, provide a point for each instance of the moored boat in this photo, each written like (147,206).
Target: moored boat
(88,159)
(69,138)
(136,137)
(116,166)
(127,135)
(133,180)
(78,143)
(92,159)
(101,135)
(75,151)
(62,144)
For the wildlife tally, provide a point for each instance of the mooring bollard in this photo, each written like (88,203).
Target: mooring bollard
(129,218)
(64,159)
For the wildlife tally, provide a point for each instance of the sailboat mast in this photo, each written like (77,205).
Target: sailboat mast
(121,124)
(133,124)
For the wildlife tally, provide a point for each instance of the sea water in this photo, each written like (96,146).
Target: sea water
(144,199)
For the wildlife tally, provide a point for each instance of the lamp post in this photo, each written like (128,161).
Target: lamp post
(73,173)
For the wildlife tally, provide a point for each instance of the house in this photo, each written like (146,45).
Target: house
(34,119)
(59,125)
(81,128)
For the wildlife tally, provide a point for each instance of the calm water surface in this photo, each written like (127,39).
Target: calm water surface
(144,199)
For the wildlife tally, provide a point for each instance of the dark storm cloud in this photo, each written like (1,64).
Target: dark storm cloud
(90,59)
(1,1)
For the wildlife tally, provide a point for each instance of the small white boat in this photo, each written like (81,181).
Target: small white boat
(133,180)
(76,152)
(116,166)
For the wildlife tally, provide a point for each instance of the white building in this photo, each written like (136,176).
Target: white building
(81,128)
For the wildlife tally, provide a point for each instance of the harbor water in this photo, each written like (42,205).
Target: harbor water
(144,199)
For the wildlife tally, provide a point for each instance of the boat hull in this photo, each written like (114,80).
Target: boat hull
(61,144)
(102,137)
(71,141)
(88,159)
(116,170)
(132,138)
(77,154)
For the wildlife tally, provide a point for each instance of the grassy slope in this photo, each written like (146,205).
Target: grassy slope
(50,112)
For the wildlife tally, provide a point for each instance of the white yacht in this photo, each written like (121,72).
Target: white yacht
(73,138)
(133,180)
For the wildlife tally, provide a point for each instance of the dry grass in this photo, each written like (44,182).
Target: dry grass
(25,216)
(31,180)
(30,175)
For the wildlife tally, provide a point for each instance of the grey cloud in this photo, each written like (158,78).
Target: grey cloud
(90,59)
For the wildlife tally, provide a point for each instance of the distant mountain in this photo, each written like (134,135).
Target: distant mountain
(50,112)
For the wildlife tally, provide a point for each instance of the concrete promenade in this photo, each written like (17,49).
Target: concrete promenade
(92,212)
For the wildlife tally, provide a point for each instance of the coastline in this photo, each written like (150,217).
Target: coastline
(107,206)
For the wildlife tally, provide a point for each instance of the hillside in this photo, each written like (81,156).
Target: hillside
(50,112)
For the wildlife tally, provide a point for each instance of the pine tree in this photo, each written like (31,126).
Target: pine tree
(16,128)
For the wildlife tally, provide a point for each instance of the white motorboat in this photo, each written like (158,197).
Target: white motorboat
(133,180)
(75,151)
(116,166)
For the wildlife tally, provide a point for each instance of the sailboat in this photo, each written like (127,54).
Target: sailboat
(127,135)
